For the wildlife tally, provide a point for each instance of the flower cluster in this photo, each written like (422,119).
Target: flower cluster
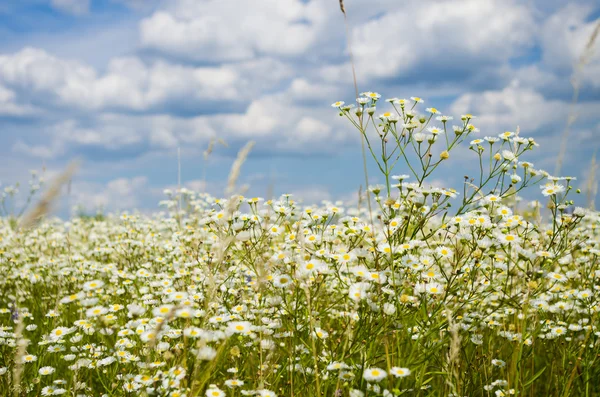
(430,292)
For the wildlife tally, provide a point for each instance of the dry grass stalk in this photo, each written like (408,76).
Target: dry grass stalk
(236,168)
(592,184)
(362,138)
(45,204)
(585,57)
(18,359)
(208,152)
(454,353)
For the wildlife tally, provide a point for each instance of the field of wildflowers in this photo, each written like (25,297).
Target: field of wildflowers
(415,290)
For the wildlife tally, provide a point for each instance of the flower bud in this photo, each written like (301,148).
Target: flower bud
(444,155)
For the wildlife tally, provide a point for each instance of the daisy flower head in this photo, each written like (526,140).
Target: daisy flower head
(498,363)
(472,128)
(214,391)
(371,95)
(28,358)
(52,391)
(338,104)
(46,370)
(434,288)
(552,189)
(92,285)
(359,291)
(266,393)
(444,251)
(435,130)
(389,117)
(492,198)
(557,277)
(508,155)
(231,383)
(400,372)
(509,238)
(239,327)
(417,99)
(59,333)
(282,280)
(321,334)
(337,366)
(558,331)
(374,374)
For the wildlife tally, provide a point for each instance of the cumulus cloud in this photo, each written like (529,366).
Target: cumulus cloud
(505,109)
(117,194)
(128,84)
(523,106)
(267,71)
(8,107)
(564,38)
(443,35)
(228,30)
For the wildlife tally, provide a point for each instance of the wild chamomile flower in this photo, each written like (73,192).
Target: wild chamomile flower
(557,277)
(239,327)
(399,372)
(435,130)
(46,370)
(266,393)
(338,104)
(320,333)
(214,391)
(509,238)
(28,358)
(53,391)
(92,285)
(60,332)
(372,95)
(374,374)
(231,383)
(552,189)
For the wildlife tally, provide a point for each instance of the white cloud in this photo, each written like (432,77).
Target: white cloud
(510,107)
(128,83)
(33,76)
(227,30)
(311,194)
(564,38)
(268,70)
(116,131)
(8,107)
(442,35)
(525,107)
(75,7)
(117,194)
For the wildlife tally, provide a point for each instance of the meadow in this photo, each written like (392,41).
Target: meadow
(414,290)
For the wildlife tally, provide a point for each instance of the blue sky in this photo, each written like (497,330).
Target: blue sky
(122,84)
